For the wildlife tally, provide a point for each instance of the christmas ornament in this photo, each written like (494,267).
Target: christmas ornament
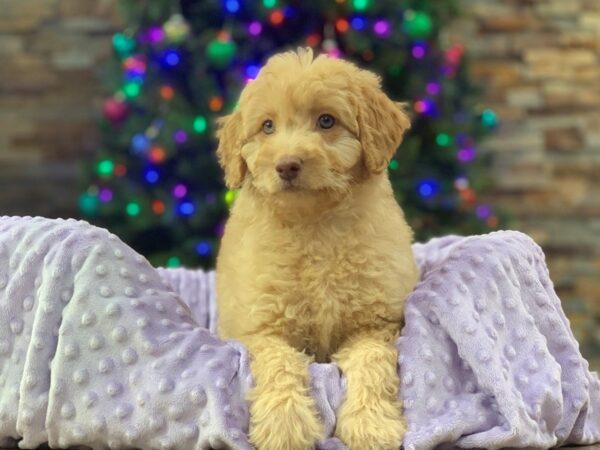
(176,29)
(417,24)
(115,110)
(123,44)
(221,50)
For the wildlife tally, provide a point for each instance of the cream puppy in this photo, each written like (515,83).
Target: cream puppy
(316,259)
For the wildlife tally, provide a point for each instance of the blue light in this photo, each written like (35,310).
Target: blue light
(252,71)
(134,77)
(232,6)
(358,23)
(203,248)
(171,58)
(428,188)
(186,208)
(151,176)
(140,143)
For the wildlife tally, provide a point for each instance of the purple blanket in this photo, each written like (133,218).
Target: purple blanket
(98,348)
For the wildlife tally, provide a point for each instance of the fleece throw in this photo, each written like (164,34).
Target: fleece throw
(99,349)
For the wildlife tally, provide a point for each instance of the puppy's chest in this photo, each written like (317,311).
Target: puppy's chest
(329,298)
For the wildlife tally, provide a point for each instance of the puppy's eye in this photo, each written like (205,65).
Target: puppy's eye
(268,127)
(326,121)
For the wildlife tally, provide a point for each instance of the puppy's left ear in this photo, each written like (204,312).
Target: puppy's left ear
(230,149)
(382,123)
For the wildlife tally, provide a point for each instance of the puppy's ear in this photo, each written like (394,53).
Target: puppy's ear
(230,148)
(382,123)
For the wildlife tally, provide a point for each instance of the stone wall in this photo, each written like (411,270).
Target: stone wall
(539,61)
(51,54)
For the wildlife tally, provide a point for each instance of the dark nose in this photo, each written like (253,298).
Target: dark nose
(288,167)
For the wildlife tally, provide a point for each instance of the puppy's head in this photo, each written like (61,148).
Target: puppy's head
(308,126)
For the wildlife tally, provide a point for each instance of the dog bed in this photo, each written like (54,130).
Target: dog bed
(100,349)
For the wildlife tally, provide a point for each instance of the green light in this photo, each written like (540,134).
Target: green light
(132,89)
(442,140)
(105,168)
(123,45)
(360,5)
(173,261)
(489,119)
(200,124)
(269,3)
(230,197)
(417,24)
(394,70)
(221,51)
(88,204)
(133,209)
(393,164)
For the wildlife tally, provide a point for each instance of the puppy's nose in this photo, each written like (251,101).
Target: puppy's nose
(289,167)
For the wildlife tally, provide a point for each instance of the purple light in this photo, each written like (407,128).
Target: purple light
(180,136)
(105,195)
(220,229)
(418,51)
(255,28)
(180,190)
(155,34)
(433,88)
(381,27)
(466,154)
(483,211)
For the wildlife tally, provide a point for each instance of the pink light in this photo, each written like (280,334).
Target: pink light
(466,154)
(334,53)
(255,28)
(381,27)
(420,106)
(106,195)
(180,190)
(461,183)
(433,88)
(180,136)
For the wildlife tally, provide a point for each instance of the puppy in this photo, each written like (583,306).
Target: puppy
(316,260)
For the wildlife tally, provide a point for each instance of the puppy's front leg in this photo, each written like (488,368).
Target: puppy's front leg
(282,412)
(370,417)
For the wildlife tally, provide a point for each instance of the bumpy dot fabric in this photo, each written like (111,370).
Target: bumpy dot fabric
(97,348)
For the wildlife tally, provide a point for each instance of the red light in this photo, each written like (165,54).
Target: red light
(276,17)
(167,92)
(120,170)
(157,154)
(342,25)
(158,207)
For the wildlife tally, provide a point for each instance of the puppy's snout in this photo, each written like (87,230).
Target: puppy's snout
(289,167)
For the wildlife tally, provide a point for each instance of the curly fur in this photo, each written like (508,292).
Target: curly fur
(316,270)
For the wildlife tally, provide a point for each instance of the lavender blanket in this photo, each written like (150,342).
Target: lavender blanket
(98,348)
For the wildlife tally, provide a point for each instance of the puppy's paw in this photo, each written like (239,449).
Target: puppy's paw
(371,427)
(284,424)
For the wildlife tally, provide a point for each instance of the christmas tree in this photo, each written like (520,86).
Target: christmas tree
(181,64)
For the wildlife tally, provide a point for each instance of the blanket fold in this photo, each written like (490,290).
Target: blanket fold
(98,348)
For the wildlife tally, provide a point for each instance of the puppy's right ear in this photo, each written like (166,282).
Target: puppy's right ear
(230,149)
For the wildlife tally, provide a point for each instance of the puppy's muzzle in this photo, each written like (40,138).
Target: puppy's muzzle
(289,167)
